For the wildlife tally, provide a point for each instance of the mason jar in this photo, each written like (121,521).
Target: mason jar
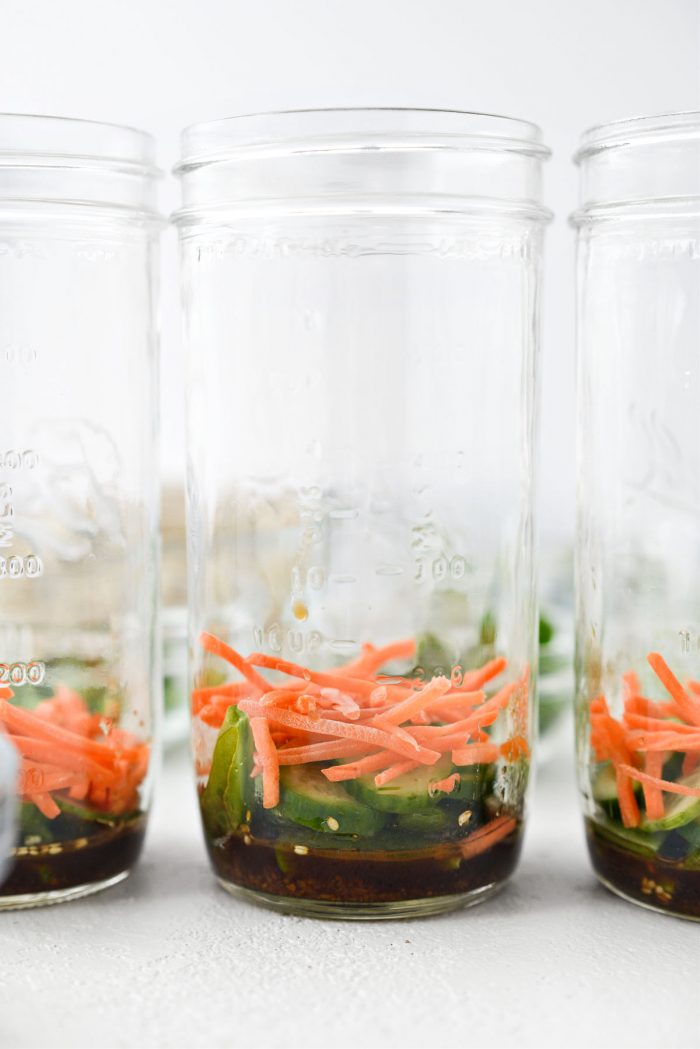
(361,314)
(638,543)
(79,677)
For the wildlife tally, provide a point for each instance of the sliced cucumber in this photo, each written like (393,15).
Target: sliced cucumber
(638,841)
(605,784)
(239,788)
(680,809)
(308,798)
(428,822)
(475,782)
(407,793)
(691,833)
(222,798)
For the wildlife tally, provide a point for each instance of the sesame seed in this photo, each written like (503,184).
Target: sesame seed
(301,850)
(332,823)
(247,839)
(464,817)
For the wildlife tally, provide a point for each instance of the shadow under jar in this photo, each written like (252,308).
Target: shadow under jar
(78,489)
(361,301)
(638,543)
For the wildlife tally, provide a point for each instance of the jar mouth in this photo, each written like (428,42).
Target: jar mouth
(349,129)
(36,139)
(638,131)
(81,168)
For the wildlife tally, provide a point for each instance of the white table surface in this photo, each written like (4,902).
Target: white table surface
(169,959)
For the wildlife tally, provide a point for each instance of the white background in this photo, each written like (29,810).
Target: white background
(565,64)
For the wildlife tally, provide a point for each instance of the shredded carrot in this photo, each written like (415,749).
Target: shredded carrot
(220,648)
(475,754)
(665,784)
(355,769)
(394,771)
(653,797)
(373,737)
(487,836)
(331,680)
(405,710)
(688,706)
(269,761)
(446,786)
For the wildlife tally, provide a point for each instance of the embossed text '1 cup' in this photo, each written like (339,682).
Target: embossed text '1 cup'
(638,556)
(361,292)
(78,486)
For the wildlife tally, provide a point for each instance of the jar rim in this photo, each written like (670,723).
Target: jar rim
(358,127)
(640,130)
(36,139)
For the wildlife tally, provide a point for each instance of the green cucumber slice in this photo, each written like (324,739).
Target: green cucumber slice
(223,797)
(428,822)
(691,833)
(680,809)
(605,784)
(407,793)
(308,798)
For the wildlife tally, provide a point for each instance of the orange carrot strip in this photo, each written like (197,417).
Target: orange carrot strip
(688,706)
(331,680)
(26,723)
(631,684)
(405,710)
(644,741)
(659,724)
(351,770)
(370,661)
(47,752)
(278,697)
(320,752)
(487,836)
(38,778)
(268,759)
(653,797)
(373,737)
(232,691)
(629,809)
(666,785)
(220,648)
(515,748)
(446,785)
(394,771)
(475,754)
(477,678)
(46,805)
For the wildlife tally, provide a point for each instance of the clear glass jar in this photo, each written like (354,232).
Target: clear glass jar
(173,607)
(361,291)
(638,557)
(79,679)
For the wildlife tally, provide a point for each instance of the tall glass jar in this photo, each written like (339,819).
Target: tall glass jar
(78,498)
(361,309)
(638,561)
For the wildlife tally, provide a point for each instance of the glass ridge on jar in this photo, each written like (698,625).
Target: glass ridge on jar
(79,689)
(361,316)
(638,535)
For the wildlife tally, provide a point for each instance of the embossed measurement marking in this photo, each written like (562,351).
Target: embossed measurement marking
(13,459)
(15,567)
(18,674)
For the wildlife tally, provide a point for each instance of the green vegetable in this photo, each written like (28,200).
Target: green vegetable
(419,824)
(691,833)
(407,793)
(223,797)
(308,798)
(546,631)
(680,809)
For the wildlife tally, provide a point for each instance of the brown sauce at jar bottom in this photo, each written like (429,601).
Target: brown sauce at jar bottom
(81,861)
(652,881)
(345,876)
